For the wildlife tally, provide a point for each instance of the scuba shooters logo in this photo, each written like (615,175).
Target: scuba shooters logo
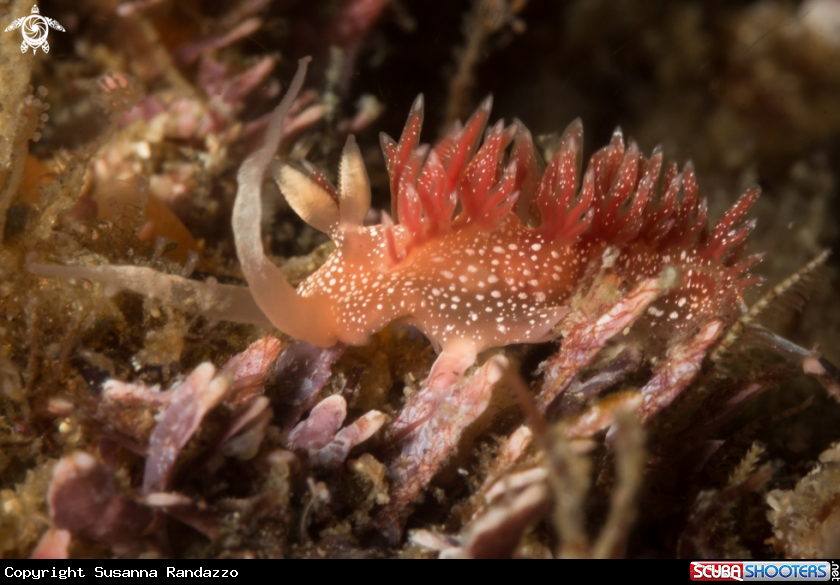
(34,29)
(763,571)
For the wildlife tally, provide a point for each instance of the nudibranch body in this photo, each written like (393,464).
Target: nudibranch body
(490,288)
(489,247)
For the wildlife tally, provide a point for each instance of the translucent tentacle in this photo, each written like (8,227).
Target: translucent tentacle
(294,315)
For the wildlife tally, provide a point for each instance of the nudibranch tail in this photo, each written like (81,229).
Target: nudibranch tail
(297,316)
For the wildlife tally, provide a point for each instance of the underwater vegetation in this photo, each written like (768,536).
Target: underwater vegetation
(237,324)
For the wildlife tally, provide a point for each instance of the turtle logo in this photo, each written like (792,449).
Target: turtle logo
(34,29)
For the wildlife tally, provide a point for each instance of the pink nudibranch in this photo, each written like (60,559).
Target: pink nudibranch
(478,276)
(487,250)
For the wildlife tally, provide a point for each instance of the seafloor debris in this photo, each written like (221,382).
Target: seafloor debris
(708,533)
(85,500)
(806,521)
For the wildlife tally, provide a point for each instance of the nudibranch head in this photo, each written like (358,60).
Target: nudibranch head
(488,243)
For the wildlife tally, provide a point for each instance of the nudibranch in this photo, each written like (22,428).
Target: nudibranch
(486,247)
